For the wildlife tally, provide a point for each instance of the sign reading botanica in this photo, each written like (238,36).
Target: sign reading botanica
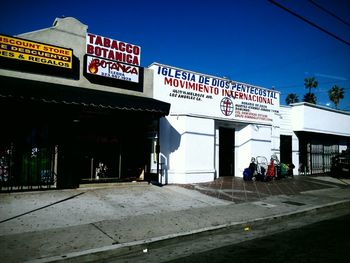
(113,59)
(112,69)
(111,49)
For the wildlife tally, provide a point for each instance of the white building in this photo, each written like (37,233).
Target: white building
(216,125)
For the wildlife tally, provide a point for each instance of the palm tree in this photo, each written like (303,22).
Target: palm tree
(310,97)
(310,83)
(292,98)
(336,94)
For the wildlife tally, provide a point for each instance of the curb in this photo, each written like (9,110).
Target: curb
(134,246)
(111,185)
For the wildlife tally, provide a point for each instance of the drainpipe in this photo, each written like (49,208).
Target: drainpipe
(158,151)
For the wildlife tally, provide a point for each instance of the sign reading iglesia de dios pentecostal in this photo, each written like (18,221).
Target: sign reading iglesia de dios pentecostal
(194,93)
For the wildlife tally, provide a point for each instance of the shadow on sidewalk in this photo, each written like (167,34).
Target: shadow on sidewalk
(239,191)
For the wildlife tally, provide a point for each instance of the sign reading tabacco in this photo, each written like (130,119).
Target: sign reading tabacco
(110,49)
(112,59)
(30,51)
(194,93)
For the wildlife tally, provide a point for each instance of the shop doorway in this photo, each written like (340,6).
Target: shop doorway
(286,148)
(226,152)
(99,162)
(110,151)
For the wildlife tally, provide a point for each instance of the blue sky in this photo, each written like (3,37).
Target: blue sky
(251,41)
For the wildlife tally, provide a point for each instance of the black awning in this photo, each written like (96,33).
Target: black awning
(23,89)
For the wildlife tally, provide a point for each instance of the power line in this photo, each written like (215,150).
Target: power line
(329,12)
(291,86)
(309,22)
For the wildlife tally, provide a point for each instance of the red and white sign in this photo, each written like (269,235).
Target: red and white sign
(110,49)
(189,92)
(112,69)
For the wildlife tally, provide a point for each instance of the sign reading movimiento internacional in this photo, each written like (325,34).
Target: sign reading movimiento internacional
(18,49)
(111,58)
(193,93)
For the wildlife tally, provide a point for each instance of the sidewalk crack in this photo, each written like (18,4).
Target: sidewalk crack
(105,233)
(43,207)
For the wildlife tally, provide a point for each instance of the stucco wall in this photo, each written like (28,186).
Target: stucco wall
(286,128)
(188,145)
(311,118)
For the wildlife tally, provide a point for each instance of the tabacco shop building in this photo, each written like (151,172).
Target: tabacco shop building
(75,108)
(215,126)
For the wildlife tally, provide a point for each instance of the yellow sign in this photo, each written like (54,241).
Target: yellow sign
(20,49)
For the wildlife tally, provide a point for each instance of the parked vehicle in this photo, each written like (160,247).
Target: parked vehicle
(340,166)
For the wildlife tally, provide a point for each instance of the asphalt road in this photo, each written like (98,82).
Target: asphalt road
(321,236)
(325,241)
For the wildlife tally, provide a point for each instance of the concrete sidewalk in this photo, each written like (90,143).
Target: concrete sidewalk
(79,225)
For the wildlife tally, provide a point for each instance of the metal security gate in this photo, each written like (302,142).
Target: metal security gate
(27,169)
(6,166)
(316,152)
(319,156)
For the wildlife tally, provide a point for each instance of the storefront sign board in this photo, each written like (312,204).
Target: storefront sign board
(205,95)
(14,48)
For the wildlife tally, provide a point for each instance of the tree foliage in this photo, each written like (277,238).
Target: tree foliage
(336,94)
(310,97)
(310,83)
(292,98)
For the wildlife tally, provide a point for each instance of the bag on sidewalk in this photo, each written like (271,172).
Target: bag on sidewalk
(271,169)
(262,175)
(247,174)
